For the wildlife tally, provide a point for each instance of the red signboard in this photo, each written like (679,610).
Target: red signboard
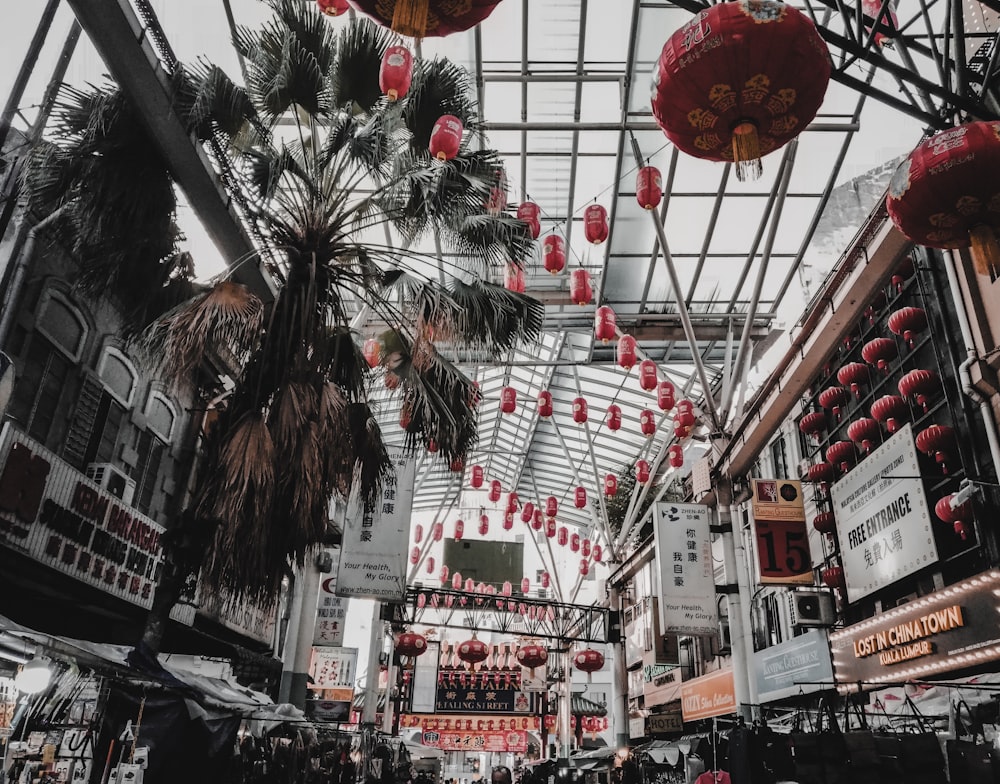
(514,741)
(780,533)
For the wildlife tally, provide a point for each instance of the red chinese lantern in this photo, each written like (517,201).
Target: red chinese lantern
(446,137)
(372,351)
(414,555)
(459,530)
(739,81)
(610,485)
(813,423)
(528,212)
(880,352)
(470,585)
(626,352)
(514,279)
(508,520)
(473,651)
(685,405)
(333,7)
(538,521)
(825,522)
(614,417)
(585,548)
(507,589)
(411,644)
(563,537)
(854,375)
(598,553)
(476,477)
(513,502)
(944,194)
(579,410)
(430,564)
(584,567)
(525,585)
(872,8)
(902,274)
(545,404)
(648,187)
(588,661)
(604,324)
(642,471)
(580,497)
(908,322)
(550,527)
(823,473)
(495,490)
(676,455)
(864,431)
(648,375)
(532,656)
(484,525)
(665,395)
(960,517)
(437,531)
(551,506)
(574,543)
(891,410)
(545,580)
(508,400)
(647,422)
(456,581)
(683,422)
(920,384)
(580,290)
(496,202)
(427,18)
(842,454)
(432,447)
(937,441)
(396,72)
(457,465)
(527,512)
(878,302)
(550,721)
(554,253)
(834,398)
(833,577)
(443,576)
(418,533)
(595,223)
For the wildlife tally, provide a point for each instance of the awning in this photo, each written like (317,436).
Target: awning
(662,752)
(581,706)
(359,701)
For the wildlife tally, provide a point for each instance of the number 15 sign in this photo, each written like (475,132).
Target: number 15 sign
(780,534)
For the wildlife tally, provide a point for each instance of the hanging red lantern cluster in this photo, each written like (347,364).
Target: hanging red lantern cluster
(740,80)
(626,352)
(396,72)
(579,410)
(648,187)
(514,279)
(333,7)
(825,522)
(580,290)
(920,384)
(446,137)
(554,253)
(665,395)
(960,517)
(580,497)
(476,477)
(855,375)
(910,322)
(675,454)
(614,418)
(813,424)
(834,398)
(823,474)
(544,404)
(843,454)
(642,471)
(604,324)
(595,223)
(945,193)
(427,18)
(891,410)
(864,432)
(880,352)
(528,212)
(647,422)
(937,441)
(683,419)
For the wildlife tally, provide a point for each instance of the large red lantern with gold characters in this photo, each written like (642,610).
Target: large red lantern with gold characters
(396,72)
(740,80)
(946,193)
(411,644)
(423,18)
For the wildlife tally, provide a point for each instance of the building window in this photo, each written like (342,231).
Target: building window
(119,375)
(146,471)
(62,323)
(36,400)
(779,458)
(161,416)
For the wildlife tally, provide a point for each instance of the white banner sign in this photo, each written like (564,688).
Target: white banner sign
(331,610)
(373,554)
(333,668)
(883,522)
(687,581)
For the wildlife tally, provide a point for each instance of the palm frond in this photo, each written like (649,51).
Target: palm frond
(354,77)
(488,315)
(439,87)
(209,101)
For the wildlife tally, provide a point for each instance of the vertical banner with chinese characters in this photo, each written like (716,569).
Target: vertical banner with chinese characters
(687,581)
(780,534)
(373,554)
(331,610)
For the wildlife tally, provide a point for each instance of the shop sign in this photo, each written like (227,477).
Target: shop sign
(331,610)
(373,553)
(471,723)
(636,727)
(338,711)
(710,695)
(53,514)
(950,629)
(332,668)
(797,666)
(240,615)
(781,538)
(683,549)
(510,741)
(459,699)
(661,682)
(665,723)
(883,523)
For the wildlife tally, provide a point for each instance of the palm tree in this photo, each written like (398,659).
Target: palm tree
(327,166)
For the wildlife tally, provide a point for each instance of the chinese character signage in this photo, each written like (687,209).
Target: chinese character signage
(459,699)
(780,535)
(333,668)
(687,581)
(797,666)
(710,695)
(883,523)
(331,610)
(470,723)
(373,554)
(53,514)
(512,741)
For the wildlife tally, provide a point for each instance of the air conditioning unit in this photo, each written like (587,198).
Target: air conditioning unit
(112,479)
(809,609)
(804,468)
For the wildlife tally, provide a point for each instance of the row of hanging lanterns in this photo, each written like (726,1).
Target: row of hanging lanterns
(920,384)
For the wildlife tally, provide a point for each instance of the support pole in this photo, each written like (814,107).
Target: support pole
(734,556)
(619,694)
(370,709)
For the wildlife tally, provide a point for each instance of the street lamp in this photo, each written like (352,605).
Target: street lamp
(33,677)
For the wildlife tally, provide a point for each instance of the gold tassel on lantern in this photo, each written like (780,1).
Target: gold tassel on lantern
(409,17)
(985,250)
(746,151)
